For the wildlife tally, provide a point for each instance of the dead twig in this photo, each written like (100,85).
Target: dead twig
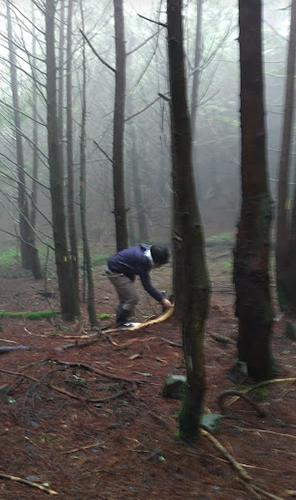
(55,388)
(29,483)
(78,344)
(222,338)
(170,342)
(152,21)
(114,396)
(74,450)
(99,372)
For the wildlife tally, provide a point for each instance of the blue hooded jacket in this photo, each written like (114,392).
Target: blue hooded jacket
(133,262)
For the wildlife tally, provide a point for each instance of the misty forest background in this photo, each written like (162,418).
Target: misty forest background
(147,154)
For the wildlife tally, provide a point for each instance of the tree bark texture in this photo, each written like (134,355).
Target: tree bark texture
(251,255)
(285,236)
(195,93)
(70,170)
(68,295)
(189,232)
(118,129)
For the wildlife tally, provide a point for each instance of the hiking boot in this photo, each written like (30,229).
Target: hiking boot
(122,316)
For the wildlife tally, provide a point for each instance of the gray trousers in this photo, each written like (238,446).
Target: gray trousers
(126,291)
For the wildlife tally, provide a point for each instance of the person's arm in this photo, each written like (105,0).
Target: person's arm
(145,279)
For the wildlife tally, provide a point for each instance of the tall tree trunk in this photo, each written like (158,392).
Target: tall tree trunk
(118,130)
(86,252)
(71,206)
(191,232)
(69,300)
(251,256)
(61,81)
(137,188)
(29,253)
(285,260)
(195,93)
(33,211)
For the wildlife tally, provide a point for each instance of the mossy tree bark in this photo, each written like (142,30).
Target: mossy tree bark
(189,232)
(251,255)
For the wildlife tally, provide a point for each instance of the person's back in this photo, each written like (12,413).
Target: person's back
(122,270)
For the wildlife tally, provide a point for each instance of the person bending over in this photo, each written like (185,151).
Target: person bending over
(124,266)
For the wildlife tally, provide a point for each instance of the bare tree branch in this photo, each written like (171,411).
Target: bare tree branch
(152,21)
(104,153)
(142,44)
(144,109)
(95,52)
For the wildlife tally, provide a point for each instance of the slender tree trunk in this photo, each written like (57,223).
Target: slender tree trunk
(285,257)
(71,206)
(61,81)
(137,188)
(29,253)
(35,136)
(86,252)
(118,131)
(195,93)
(251,256)
(190,232)
(69,299)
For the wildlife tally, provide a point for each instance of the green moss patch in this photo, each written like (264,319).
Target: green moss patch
(30,315)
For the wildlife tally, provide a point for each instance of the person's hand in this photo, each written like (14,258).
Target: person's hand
(166,303)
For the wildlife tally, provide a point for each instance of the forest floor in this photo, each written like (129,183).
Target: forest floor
(88,420)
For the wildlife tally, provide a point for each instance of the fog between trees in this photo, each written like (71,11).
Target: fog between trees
(147,128)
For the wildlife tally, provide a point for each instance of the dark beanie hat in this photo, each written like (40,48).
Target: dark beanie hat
(160,254)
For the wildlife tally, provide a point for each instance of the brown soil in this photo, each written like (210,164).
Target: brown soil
(107,432)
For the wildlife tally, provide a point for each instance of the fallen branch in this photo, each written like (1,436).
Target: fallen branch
(170,342)
(241,395)
(260,384)
(77,344)
(239,469)
(29,483)
(55,388)
(243,475)
(98,372)
(5,349)
(266,493)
